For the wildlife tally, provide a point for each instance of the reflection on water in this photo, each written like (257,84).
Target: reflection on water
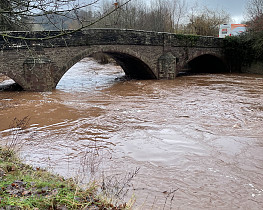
(198,140)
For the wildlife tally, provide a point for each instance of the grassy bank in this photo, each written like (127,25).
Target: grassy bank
(25,187)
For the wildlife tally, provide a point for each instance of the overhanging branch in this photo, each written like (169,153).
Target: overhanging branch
(64,32)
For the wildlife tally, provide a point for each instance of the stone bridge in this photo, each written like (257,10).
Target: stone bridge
(37,63)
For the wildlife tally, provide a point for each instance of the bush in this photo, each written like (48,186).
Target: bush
(243,50)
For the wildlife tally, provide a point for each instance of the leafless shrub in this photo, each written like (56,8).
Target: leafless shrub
(96,152)
(17,129)
(91,159)
(169,195)
(118,185)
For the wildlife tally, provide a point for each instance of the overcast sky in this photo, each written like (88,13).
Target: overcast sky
(236,8)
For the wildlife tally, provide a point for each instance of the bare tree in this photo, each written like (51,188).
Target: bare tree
(207,21)
(255,8)
(154,15)
(179,14)
(255,14)
(49,15)
(131,16)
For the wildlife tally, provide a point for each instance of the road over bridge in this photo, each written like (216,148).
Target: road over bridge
(37,63)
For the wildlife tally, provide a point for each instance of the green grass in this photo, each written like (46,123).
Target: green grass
(24,187)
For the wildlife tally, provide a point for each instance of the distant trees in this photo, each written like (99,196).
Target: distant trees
(151,15)
(247,49)
(255,23)
(48,15)
(154,15)
(255,14)
(26,14)
(207,21)
(164,16)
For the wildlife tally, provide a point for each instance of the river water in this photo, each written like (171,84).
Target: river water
(197,141)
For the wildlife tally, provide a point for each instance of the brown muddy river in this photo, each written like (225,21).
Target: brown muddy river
(197,141)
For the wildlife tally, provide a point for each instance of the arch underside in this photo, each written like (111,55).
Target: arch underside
(205,64)
(14,84)
(133,67)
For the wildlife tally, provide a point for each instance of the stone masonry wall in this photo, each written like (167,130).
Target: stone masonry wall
(139,48)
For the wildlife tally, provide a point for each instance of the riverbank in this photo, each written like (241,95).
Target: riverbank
(25,187)
(254,68)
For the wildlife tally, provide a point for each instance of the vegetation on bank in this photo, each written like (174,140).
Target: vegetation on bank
(244,50)
(25,187)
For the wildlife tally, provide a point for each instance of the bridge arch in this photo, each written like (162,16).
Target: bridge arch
(134,65)
(9,82)
(18,81)
(206,63)
(141,54)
